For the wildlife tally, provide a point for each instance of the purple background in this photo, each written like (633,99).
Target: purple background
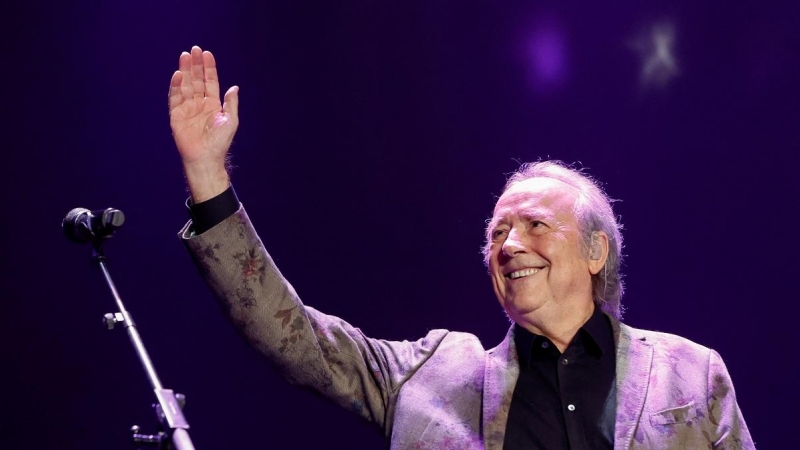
(374,140)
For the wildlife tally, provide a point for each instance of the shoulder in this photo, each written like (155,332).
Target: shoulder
(455,349)
(666,342)
(460,342)
(438,346)
(672,355)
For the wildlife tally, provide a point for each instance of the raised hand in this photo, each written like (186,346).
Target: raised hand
(202,126)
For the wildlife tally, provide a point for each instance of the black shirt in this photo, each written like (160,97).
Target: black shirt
(564,401)
(212,211)
(561,401)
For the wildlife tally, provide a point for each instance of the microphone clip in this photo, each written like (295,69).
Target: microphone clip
(81,225)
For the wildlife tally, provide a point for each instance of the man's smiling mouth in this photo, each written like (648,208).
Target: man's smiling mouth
(522,273)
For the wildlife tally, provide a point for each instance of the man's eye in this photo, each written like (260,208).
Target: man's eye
(497,233)
(537,223)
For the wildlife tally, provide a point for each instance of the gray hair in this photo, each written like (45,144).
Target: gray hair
(593,213)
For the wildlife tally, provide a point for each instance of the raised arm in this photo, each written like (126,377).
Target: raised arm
(311,349)
(202,126)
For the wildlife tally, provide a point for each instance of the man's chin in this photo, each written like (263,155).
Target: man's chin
(519,310)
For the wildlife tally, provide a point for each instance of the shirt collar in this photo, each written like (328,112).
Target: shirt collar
(596,335)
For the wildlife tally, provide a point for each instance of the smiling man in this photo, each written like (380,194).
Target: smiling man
(539,263)
(546,246)
(568,375)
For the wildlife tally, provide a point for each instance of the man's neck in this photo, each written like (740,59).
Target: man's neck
(559,326)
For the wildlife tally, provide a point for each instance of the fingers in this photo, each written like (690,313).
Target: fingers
(210,71)
(231,105)
(196,78)
(184,66)
(175,96)
(198,82)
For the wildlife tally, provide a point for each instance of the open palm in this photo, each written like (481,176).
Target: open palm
(202,126)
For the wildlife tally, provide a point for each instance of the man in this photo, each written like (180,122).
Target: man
(567,375)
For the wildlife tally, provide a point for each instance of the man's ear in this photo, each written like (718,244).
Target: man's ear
(598,251)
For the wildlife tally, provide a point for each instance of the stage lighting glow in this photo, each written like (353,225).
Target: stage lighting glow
(657,50)
(547,55)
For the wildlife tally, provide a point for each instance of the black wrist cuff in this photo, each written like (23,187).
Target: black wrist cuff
(205,215)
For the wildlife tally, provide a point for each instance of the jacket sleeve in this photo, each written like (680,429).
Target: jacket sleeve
(730,432)
(318,351)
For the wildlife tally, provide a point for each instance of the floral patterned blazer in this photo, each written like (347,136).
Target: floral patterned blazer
(445,391)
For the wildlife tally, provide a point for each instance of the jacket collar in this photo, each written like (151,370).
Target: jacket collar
(500,377)
(634,361)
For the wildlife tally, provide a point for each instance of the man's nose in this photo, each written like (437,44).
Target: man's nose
(513,244)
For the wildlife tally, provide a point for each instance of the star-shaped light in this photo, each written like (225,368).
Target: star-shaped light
(659,64)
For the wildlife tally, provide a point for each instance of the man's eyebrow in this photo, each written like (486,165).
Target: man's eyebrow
(527,213)
(493,223)
(534,212)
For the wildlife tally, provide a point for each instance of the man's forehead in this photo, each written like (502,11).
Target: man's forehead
(536,193)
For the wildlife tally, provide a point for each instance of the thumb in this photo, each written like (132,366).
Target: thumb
(231,105)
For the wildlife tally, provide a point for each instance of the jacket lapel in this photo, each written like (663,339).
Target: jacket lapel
(634,360)
(501,373)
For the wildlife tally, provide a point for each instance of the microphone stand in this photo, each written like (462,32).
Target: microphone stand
(173,425)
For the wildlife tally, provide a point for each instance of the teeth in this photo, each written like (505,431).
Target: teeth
(522,273)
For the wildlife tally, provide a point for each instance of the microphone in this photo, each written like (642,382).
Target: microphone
(82,225)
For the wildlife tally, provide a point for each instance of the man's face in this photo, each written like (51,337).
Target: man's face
(536,258)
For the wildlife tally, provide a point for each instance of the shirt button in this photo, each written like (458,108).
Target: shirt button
(545,344)
(565,361)
(571,407)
